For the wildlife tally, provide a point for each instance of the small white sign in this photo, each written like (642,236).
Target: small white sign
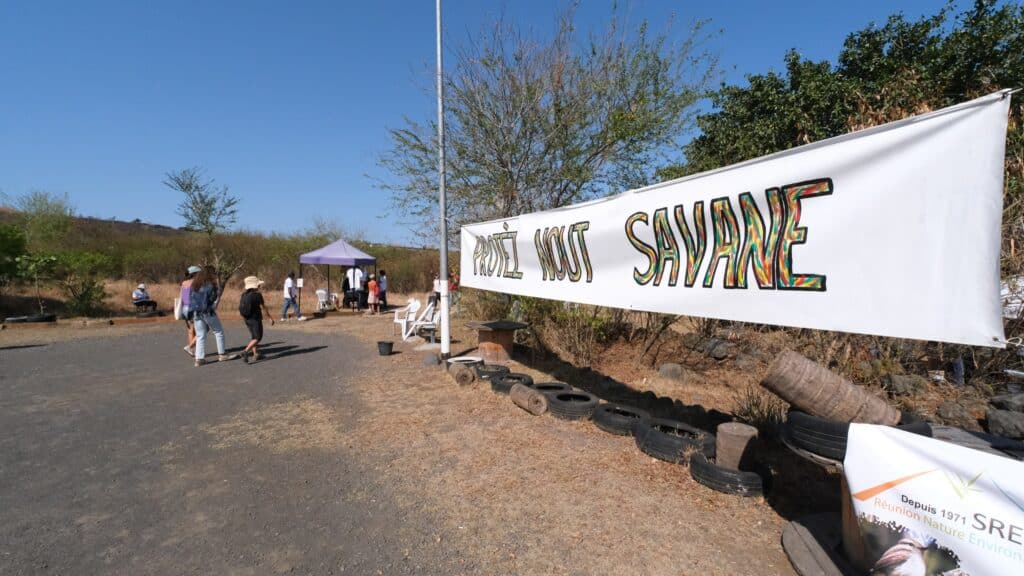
(298,283)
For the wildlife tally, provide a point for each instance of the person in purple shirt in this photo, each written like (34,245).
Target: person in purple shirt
(186,314)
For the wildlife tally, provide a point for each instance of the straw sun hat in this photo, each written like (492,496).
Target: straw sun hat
(252,282)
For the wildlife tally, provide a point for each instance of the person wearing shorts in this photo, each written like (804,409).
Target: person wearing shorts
(186,314)
(252,308)
(373,294)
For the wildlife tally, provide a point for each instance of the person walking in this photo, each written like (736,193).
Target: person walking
(382,285)
(203,304)
(372,294)
(184,295)
(290,299)
(437,290)
(252,308)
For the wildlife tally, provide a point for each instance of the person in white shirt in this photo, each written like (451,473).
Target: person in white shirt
(382,282)
(290,299)
(437,289)
(355,279)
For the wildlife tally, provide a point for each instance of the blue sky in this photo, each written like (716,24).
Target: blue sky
(289,102)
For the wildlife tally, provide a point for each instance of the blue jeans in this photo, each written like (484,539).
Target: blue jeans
(206,323)
(289,302)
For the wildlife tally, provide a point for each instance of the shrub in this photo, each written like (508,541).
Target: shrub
(80,276)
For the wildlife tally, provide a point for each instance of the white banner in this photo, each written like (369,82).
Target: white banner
(924,503)
(891,231)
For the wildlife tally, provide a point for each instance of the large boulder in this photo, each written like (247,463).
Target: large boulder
(676,372)
(1012,402)
(955,414)
(1006,423)
(905,384)
(719,349)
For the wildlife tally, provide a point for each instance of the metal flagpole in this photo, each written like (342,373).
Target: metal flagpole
(446,344)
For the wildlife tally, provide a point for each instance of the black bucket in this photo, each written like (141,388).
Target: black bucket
(385,348)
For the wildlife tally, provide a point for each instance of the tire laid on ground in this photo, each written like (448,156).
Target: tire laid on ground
(468,361)
(32,318)
(490,371)
(671,440)
(546,387)
(571,404)
(503,384)
(827,437)
(617,418)
(147,314)
(737,482)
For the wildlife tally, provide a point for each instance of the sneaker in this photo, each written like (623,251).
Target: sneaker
(302,319)
(284,319)
(245,356)
(199,362)
(189,351)
(255,356)
(226,357)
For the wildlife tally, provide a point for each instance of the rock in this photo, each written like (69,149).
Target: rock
(955,414)
(671,370)
(431,360)
(1012,402)
(747,362)
(693,341)
(905,385)
(676,372)
(719,349)
(1006,423)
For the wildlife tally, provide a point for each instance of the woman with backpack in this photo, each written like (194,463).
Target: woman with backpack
(203,305)
(252,308)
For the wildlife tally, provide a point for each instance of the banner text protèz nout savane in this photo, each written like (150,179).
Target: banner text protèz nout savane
(741,243)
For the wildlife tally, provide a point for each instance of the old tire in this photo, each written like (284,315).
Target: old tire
(147,314)
(546,387)
(737,482)
(571,404)
(491,371)
(467,361)
(671,440)
(617,418)
(504,384)
(827,437)
(30,319)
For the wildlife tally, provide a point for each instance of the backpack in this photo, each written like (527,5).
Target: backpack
(245,305)
(204,301)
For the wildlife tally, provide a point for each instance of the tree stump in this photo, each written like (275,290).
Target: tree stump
(529,399)
(735,443)
(817,390)
(463,375)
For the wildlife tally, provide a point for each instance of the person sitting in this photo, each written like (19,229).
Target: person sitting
(141,299)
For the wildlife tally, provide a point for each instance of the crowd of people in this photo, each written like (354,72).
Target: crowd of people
(200,296)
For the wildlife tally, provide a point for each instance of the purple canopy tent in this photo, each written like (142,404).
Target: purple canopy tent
(337,253)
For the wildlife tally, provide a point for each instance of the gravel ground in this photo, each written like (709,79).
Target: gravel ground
(118,457)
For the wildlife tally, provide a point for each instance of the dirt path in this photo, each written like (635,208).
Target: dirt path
(116,456)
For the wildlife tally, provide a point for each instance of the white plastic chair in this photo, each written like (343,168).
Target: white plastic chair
(427,321)
(322,303)
(406,314)
(411,327)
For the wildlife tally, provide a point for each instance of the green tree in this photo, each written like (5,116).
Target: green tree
(12,246)
(80,276)
(532,124)
(38,269)
(45,219)
(211,210)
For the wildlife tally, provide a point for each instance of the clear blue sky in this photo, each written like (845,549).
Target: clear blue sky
(289,102)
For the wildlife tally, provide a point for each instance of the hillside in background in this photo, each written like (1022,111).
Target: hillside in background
(154,253)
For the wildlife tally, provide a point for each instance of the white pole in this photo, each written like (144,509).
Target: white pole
(446,344)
